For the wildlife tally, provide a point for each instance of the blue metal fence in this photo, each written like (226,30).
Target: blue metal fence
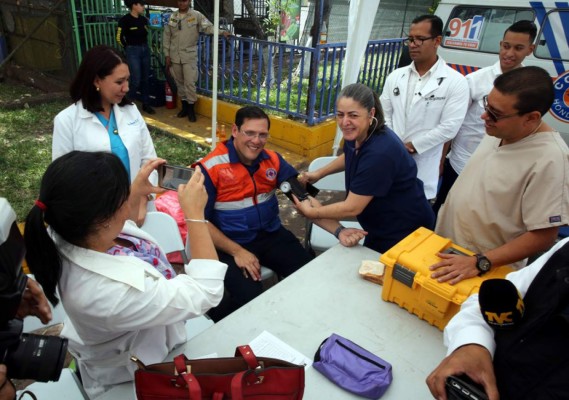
(277,76)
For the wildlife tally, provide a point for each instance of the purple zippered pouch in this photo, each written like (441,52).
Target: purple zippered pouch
(352,367)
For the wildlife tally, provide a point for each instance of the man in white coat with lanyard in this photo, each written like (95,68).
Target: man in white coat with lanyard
(425,102)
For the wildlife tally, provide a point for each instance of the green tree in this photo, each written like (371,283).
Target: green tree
(276,9)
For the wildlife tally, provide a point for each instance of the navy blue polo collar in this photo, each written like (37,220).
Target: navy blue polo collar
(366,143)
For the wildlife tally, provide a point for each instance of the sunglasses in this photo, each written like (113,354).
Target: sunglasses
(491,114)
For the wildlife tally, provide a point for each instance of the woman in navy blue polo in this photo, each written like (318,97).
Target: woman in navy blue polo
(382,187)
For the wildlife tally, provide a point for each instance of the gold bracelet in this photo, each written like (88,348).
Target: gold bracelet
(205,221)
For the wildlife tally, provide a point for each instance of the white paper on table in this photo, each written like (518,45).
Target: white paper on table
(268,345)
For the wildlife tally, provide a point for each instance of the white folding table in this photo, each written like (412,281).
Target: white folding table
(328,296)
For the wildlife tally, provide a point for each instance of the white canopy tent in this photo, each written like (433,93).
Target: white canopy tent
(360,22)
(215,73)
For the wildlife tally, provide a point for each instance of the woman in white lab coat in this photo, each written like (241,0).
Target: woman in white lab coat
(102,118)
(109,274)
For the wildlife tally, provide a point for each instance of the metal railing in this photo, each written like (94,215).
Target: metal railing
(299,82)
(94,23)
(276,76)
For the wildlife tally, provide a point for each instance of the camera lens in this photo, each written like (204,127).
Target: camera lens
(36,357)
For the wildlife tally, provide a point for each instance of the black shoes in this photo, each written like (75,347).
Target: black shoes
(191,113)
(187,111)
(184,112)
(147,109)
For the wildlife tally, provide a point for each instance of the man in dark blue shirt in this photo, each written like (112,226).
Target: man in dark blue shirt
(132,36)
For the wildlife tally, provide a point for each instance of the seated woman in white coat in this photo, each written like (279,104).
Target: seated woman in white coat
(83,246)
(102,118)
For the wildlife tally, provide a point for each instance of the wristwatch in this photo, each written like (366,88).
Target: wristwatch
(483,264)
(338,230)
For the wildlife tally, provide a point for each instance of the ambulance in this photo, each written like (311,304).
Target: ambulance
(473,30)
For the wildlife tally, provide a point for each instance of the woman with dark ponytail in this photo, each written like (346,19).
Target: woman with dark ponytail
(382,188)
(118,290)
(70,187)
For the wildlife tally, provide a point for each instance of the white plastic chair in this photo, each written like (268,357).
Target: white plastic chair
(164,229)
(316,238)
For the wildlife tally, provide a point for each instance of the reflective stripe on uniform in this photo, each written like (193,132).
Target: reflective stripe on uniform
(234,205)
(241,204)
(212,162)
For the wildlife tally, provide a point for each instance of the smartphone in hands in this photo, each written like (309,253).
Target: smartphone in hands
(170,176)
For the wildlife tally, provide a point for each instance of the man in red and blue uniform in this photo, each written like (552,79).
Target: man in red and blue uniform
(241,180)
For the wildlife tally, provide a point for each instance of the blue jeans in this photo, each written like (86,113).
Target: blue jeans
(138,59)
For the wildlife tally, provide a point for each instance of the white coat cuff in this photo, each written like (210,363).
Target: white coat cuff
(473,335)
(205,269)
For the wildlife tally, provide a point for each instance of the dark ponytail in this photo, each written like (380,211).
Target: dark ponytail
(42,256)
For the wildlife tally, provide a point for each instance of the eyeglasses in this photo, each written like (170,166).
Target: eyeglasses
(417,40)
(492,114)
(263,137)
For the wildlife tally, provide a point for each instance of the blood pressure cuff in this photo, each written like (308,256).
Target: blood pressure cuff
(352,367)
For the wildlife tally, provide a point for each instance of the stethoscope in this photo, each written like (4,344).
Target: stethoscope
(396,91)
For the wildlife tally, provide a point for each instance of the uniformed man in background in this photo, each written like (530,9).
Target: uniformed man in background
(180,43)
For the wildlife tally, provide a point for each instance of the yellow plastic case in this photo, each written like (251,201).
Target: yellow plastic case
(407,280)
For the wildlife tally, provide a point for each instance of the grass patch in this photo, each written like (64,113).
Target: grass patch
(13,91)
(175,150)
(25,152)
(25,147)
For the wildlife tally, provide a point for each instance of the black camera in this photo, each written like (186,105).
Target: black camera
(26,356)
(462,387)
(293,186)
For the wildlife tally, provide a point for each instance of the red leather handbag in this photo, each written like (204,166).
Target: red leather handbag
(244,376)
